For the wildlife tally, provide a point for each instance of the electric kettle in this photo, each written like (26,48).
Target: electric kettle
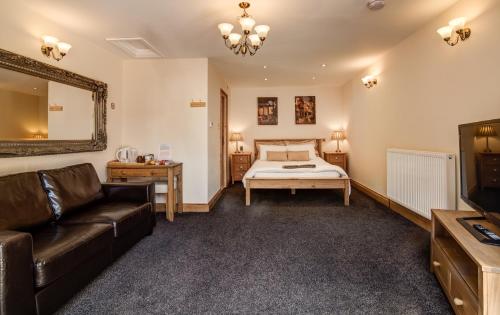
(126,155)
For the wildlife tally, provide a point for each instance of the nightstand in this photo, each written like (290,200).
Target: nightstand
(240,163)
(337,158)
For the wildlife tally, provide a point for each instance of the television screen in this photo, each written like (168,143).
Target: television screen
(480,166)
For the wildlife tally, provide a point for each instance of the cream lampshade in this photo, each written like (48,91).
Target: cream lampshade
(338,135)
(236,136)
(486,131)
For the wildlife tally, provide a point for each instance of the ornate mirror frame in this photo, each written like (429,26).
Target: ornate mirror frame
(15,62)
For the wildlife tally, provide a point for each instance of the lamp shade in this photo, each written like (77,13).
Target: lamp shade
(225,28)
(486,131)
(338,135)
(50,41)
(445,32)
(236,136)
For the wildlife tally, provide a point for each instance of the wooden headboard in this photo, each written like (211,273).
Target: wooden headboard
(258,142)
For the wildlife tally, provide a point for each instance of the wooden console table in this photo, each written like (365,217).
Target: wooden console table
(171,173)
(468,271)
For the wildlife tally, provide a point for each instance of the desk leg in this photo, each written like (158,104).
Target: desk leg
(180,202)
(170,195)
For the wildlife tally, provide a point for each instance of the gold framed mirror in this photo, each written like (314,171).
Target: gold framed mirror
(47,110)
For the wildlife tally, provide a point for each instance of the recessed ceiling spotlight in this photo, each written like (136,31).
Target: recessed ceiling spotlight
(35,88)
(375,4)
(324,65)
(265,79)
(265,67)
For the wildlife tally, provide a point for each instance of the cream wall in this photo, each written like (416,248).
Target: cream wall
(21,33)
(78,108)
(157,96)
(20,115)
(216,83)
(243,114)
(426,89)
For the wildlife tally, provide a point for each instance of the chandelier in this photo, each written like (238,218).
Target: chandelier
(246,42)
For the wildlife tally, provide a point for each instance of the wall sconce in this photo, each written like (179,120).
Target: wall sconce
(53,47)
(369,81)
(455,31)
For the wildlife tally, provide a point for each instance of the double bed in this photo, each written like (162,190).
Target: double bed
(265,174)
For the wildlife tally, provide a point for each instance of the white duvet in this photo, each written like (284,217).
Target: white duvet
(274,169)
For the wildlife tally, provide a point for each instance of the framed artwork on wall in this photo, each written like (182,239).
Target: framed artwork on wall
(305,110)
(267,110)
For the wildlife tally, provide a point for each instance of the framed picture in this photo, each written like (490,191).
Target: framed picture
(305,110)
(267,110)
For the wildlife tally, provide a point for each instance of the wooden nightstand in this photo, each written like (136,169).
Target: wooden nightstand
(489,170)
(337,158)
(240,163)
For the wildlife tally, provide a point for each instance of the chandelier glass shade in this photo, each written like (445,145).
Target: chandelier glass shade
(245,43)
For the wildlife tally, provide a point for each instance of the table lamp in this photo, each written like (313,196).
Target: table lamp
(486,131)
(338,135)
(236,136)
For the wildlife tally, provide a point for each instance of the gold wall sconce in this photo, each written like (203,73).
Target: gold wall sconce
(455,31)
(369,81)
(53,47)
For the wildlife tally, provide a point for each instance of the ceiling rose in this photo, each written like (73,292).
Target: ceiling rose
(245,43)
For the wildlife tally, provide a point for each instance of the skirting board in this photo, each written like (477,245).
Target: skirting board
(394,206)
(203,207)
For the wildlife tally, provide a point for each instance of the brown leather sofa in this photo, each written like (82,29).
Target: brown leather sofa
(60,228)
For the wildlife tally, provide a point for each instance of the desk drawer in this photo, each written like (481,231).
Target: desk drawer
(336,159)
(241,159)
(241,167)
(441,266)
(238,175)
(126,172)
(492,160)
(492,181)
(463,300)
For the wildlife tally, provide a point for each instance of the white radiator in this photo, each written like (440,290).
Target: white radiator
(421,181)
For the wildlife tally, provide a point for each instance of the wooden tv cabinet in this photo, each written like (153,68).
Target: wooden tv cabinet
(468,270)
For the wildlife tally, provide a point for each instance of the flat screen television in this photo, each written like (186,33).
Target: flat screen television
(480,167)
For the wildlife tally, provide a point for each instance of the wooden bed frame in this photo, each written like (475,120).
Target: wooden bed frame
(293,184)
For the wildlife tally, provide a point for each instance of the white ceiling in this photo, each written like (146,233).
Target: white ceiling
(304,34)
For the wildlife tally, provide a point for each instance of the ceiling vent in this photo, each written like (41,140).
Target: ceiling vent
(136,47)
(375,4)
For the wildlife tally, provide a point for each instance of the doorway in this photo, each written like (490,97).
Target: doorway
(224,162)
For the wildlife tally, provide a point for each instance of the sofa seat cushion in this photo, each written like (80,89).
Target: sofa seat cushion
(58,250)
(123,216)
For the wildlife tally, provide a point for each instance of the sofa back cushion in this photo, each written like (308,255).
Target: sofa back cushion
(71,187)
(23,203)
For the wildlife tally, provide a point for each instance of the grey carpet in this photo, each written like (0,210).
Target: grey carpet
(283,255)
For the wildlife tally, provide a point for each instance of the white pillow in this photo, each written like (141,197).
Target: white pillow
(264,148)
(303,147)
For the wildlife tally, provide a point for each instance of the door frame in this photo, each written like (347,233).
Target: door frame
(224,140)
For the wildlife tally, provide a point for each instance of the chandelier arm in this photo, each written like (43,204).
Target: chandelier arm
(453,43)
(227,43)
(252,50)
(236,49)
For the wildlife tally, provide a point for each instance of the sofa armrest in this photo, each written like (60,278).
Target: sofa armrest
(134,192)
(17,294)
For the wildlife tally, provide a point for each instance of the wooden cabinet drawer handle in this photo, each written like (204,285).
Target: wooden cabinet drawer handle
(458,302)
(436,263)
